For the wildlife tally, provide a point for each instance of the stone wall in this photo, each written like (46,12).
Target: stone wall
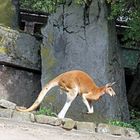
(19,67)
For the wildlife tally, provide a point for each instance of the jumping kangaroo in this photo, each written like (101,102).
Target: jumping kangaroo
(74,83)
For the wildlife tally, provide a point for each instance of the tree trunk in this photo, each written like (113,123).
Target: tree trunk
(78,37)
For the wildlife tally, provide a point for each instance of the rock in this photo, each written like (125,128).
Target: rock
(129,132)
(48,120)
(6,113)
(70,44)
(68,124)
(19,49)
(19,67)
(23,116)
(7,104)
(106,128)
(86,126)
(19,86)
(116,130)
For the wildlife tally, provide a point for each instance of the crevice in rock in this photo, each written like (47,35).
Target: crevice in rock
(99,10)
(69,2)
(20,67)
(86,12)
(66,30)
(63,18)
(86,18)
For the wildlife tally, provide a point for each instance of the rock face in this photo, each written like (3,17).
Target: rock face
(134,92)
(19,86)
(82,38)
(8,15)
(19,67)
(19,49)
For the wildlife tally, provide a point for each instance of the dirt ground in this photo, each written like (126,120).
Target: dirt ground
(12,130)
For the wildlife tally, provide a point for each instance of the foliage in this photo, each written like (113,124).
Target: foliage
(130,11)
(134,122)
(45,111)
(48,6)
(134,113)
(120,123)
(38,5)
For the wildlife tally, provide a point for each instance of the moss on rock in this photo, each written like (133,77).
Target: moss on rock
(7,12)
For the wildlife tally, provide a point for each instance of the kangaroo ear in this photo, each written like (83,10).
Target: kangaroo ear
(110,84)
(113,83)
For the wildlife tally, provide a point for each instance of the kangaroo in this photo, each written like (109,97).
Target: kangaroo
(74,83)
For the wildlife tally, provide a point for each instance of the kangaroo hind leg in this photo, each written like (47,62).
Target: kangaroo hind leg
(71,95)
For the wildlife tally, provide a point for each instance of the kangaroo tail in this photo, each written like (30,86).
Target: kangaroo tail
(40,97)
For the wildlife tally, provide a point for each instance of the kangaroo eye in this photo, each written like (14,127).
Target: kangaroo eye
(110,89)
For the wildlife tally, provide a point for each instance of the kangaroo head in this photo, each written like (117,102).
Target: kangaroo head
(109,90)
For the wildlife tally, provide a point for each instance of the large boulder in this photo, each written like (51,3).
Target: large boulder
(78,37)
(19,86)
(20,49)
(19,67)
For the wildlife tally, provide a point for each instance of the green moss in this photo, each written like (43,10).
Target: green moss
(48,58)
(7,12)
(50,98)
(3,50)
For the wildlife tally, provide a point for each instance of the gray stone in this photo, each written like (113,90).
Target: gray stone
(23,116)
(86,126)
(105,128)
(48,120)
(129,132)
(19,86)
(7,104)
(116,130)
(8,15)
(70,44)
(19,49)
(68,124)
(6,113)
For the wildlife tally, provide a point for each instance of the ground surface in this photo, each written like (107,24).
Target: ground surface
(12,130)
